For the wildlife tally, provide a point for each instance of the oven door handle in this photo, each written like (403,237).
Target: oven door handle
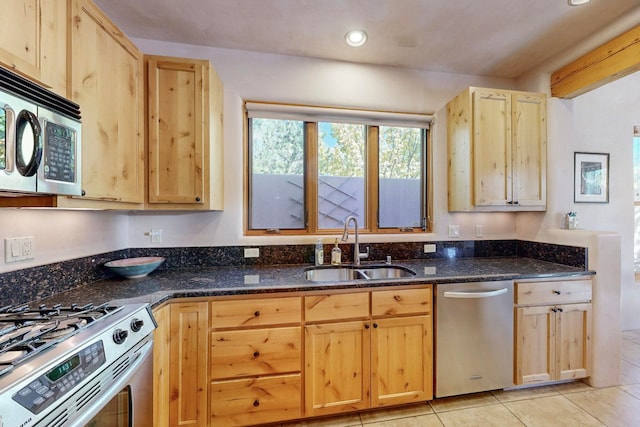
(470,295)
(144,353)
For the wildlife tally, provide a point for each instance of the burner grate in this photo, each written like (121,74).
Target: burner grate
(26,331)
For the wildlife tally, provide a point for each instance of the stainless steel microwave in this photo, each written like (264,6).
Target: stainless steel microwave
(40,139)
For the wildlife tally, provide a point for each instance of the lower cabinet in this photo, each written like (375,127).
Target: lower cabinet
(384,358)
(237,361)
(255,361)
(553,331)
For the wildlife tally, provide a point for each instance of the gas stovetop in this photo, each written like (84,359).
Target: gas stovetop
(55,360)
(26,332)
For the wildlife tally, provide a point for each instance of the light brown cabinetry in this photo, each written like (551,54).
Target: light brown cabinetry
(497,150)
(367,350)
(106,80)
(188,356)
(553,331)
(184,131)
(161,365)
(255,361)
(34,41)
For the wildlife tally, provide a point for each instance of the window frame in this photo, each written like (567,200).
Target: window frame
(371,180)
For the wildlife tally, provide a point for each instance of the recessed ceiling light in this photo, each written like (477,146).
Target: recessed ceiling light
(578,2)
(355,38)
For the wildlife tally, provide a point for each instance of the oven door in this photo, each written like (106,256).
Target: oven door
(126,405)
(128,401)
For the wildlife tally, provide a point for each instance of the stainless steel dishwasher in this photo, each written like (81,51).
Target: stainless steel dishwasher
(474,337)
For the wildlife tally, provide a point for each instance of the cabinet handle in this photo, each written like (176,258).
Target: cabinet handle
(375,325)
(555,310)
(516,202)
(366,326)
(197,199)
(256,402)
(557,292)
(257,313)
(256,353)
(560,309)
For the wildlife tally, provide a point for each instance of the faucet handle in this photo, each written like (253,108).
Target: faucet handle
(364,254)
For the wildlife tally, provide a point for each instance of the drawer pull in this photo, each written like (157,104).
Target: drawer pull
(366,326)
(256,353)
(557,292)
(256,403)
(257,313)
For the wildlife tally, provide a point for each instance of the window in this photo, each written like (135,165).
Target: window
(307,172)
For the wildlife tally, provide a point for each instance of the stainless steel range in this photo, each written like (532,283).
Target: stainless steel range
(70,366)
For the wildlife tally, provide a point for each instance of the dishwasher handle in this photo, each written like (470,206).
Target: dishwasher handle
(469,295)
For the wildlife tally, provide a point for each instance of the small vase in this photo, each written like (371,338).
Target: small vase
(571,222)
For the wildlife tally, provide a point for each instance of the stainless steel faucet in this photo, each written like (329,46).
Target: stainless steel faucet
(357,255)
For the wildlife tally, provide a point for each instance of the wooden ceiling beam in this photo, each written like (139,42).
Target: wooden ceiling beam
(614,59)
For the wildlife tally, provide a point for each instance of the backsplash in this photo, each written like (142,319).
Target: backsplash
(37,283)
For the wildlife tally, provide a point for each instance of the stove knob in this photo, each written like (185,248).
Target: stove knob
(119,336)
(136,325)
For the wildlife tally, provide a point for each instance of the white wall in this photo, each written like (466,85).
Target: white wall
(62,235)
(265,77)
(599,121)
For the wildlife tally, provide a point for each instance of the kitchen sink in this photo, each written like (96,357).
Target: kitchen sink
(346,273)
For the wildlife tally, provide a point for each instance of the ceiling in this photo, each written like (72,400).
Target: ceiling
(502,38)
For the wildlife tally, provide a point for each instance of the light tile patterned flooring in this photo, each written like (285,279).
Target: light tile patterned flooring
(569,404)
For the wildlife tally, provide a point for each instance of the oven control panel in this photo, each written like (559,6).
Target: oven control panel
(61,379)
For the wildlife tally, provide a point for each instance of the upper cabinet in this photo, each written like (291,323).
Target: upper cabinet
(107,82)
(34,41)
(497,147)
(184,132)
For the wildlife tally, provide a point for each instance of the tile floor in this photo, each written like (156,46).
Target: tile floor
(569,404)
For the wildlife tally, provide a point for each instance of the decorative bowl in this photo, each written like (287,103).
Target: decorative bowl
(132,268)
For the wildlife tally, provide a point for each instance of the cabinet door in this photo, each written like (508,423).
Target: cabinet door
(189,357)
(176,123)
(161,366)
(530,149)
(34,40)
(535,345)
(107,83)
(337,367)
(401,354)
(492,148)
(573,341)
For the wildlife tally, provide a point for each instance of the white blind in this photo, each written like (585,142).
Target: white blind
(266,110)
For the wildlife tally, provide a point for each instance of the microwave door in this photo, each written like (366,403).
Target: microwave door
(10,177)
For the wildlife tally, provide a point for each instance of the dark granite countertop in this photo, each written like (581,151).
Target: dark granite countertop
(163,285)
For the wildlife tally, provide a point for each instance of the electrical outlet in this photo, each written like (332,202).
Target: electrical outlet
(454,231)
(18,249)
(156,236)
(429,249)
(27,247)
(479,231)
(251,252)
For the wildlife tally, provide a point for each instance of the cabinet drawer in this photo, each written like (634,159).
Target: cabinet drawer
(255,401)
(338,306)
(255,352)
(401,302)
(557,292)
(255,312)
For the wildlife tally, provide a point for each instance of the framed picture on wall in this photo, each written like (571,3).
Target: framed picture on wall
(591,178)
